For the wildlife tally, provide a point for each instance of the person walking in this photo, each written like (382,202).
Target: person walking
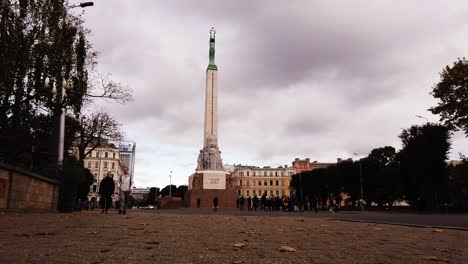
(242,202)
(255,203)
(314,203)
(125,190)
(215,204)
(249,203)
(106,189)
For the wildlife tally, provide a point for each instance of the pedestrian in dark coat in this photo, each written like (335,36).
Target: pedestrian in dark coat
(106,189)
(255,202)
(249,203)
(215,204)
(242,202)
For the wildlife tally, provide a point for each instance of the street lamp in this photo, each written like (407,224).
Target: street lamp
(360,177)
(65,85)
(422,117)
(170,184)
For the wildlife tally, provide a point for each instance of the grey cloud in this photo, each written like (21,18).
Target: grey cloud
(297,79)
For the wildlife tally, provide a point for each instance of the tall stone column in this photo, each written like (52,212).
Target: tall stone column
(210,156)
(211,106)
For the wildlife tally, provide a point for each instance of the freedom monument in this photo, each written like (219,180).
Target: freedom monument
(210,180)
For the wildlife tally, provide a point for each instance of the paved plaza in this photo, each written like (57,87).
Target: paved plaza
(187,237)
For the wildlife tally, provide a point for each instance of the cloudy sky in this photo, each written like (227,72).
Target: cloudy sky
(296,79)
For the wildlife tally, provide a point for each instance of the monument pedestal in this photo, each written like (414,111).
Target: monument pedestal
(204,186)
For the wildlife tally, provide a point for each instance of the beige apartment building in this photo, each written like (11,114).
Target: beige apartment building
(251,180)
(99,162)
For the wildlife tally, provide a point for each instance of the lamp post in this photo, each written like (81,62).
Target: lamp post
(65,85)
(360,178)
(170,184)
(422,117)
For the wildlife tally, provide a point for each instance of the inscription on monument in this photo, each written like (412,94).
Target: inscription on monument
(216,181)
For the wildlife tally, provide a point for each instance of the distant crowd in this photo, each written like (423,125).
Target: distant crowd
(286,203)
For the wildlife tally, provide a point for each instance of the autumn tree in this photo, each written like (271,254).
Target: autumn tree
(452,93)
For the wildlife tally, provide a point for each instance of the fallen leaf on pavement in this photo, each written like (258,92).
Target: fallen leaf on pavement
(239,245)
(286,249)
(438,230)
(435,258)
(238,262)
(441,249)
(45,234)
(378,228)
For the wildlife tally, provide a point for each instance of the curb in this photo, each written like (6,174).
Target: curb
(401,224)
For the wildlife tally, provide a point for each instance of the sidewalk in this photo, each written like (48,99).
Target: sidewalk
(188,237)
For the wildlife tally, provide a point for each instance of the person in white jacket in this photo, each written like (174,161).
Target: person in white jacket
(125,185)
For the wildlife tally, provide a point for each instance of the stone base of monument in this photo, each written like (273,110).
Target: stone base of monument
(204,186)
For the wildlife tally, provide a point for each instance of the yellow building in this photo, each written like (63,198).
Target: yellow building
(99,162)
(251,180)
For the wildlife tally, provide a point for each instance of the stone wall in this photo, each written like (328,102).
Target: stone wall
(22,189)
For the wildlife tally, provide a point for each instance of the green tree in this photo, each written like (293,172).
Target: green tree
(181,190)
(165,190)
(152,195)
(452,91)
(423,164)
(458,184)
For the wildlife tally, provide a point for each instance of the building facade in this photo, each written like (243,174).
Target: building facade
(306,165)
(251,180)
(127,154)
(99,162)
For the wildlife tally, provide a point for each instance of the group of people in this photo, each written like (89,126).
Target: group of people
(107,189)
(287,204)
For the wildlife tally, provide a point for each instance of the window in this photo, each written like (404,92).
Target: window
(282,192)
(248,182)
(113,165)
(248,192)
(97,154)
(253,183)
(240,183)
(277,193)
(276,173)
(241,173)
(271,192)
(282,173)
(264,173)
(265,183)
(89,164)
(239,192)
(113,155)
(254,173)
(94,187)
(259,183)
(105,155)
(277,183)
(271,182)
(254,192)
(271,173)
(105,165)
(282,182)
(96,165)
(247,173)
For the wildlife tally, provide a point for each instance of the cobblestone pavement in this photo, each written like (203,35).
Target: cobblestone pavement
(458,221)
(164,237)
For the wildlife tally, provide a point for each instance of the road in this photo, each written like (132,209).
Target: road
(454,221)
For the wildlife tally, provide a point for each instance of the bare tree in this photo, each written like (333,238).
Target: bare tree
(102,87)
(96,130)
